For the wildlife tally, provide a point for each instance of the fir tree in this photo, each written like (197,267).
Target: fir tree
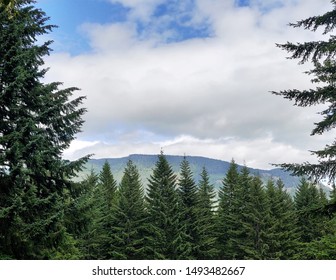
(321,54)
(167,233)
(81,215)
(129,230)
(206,220)
(228,220)
(105,199)
(282,232)
(311,224)
(38,123)
(254,223)
(188,194)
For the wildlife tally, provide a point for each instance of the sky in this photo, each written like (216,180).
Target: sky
(189,77)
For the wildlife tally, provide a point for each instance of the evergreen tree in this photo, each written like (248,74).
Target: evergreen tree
(167,233)
(81,215)
(107,185)
(206,220)
(282,232)
(39,121)
(106,198)
(254,223)
(228,219)
(188,194)
(311,224)
(129,228)
(321,54)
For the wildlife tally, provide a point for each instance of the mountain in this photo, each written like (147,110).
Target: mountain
(217,169)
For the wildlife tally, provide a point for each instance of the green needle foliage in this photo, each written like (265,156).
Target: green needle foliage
(188,195)
(206,220)
(282,230)
(128,231)
(38,122)
(167,231)
(229,214)
(322,55)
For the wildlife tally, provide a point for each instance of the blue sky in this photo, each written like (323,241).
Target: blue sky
(190,76)
(69,15)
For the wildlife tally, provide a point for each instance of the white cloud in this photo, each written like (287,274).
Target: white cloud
(141,90)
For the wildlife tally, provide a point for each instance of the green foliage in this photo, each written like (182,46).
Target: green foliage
(206,221)
(228,224)
(282,237)
(188,196)
(39,121)
(129,229)
(321,54)
(167,233)
(307,199)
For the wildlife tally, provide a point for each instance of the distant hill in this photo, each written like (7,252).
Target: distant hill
(217,169)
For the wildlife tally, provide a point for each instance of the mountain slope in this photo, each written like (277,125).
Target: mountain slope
(217,169)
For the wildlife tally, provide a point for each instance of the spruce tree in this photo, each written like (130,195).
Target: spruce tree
(311,224)
(81,215)
(188,194)
(254,222)
(282,239)
(322,55)
(167,239)
(39,121)
(105,199)
(206,246)
(228,218)
(129,230)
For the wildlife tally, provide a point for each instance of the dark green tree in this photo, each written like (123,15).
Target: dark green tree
(206,220)
(38,122)
(129,230)
(229,215)
(188,195)
(311,224)
(167,237)
(105,200)
(282,239)
(322,55)
(254,222)
(81,215)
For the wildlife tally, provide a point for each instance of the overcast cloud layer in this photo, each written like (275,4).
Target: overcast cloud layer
(152,88)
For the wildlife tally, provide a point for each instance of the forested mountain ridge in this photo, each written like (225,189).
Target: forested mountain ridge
(217,169)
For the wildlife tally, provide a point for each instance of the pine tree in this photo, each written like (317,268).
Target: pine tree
(311,224)
(282,232)
(129,229)
(38,123)
(107,185)
(254,223)
(105,199)
(228,220)
(206,220)
(321,54)
(188,194)
(167,232)
(81,214)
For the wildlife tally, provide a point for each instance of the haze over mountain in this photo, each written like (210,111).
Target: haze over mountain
(217,169)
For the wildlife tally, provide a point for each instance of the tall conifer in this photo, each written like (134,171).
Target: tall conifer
(206,246)
(168,236)
(128,232)
(188,195)
(38,122)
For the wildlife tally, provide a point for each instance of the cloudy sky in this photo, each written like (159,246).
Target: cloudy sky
(189,76)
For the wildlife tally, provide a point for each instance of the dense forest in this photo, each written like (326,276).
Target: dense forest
(45,214)
(178,218)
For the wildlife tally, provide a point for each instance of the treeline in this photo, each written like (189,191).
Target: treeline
(179,219)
